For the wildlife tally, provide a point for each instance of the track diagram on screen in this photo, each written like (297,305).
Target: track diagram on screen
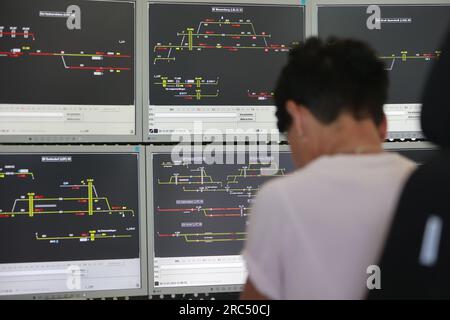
(207,237)
(218,34)
(199,208)
(98,62)
(260,95)
(8,171)
(198,176)
(246,173)
(256,171)
(78,206)
(14,32)
(87,236)
(197,88)
(86,201)
(241,211)
(391,60)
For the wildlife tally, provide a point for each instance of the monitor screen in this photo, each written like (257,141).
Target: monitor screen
(407,38)
(200,216)
(68,68)
(214,66)
(69,222)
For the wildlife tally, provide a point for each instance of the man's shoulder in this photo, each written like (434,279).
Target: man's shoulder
(319,171)
(290,181)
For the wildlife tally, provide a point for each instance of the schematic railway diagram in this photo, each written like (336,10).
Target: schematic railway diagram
(90,236)
(25,52)
(261,96)
(65,206)
(208,237)
(222,34)
(91,203)
(189,88)
(203,210)
(8,171)
(12,33)
(97,59)
(405,56)
(237,51)
(210,212)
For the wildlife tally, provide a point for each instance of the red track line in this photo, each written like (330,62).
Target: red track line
(12,55)
(265,95)
(195,209)
(98,68)
(20,34)
(97,55)
(162,47)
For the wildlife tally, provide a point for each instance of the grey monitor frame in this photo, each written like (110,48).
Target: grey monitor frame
(142,217)
(137,137)
(409,145)
(146,63)
(150,234)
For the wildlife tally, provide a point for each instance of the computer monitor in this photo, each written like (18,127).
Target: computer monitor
(407,36)
(198,213)
(72,222)
(69,71)
(213,66)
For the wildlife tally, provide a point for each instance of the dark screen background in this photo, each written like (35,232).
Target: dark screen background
(44,80)
(422,36)
(115,177)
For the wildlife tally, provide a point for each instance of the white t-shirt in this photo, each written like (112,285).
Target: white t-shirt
(313,234)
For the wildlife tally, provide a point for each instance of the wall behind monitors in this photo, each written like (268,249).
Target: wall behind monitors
(69,71)
(216,63)
(407,38)
(72,222)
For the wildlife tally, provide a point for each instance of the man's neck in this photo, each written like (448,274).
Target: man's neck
(350,136)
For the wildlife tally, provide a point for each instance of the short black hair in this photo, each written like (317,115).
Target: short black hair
(330,78)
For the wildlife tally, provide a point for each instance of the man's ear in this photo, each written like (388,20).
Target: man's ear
(296,115)
(383,128)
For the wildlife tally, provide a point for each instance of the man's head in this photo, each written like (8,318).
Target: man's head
(330,96)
